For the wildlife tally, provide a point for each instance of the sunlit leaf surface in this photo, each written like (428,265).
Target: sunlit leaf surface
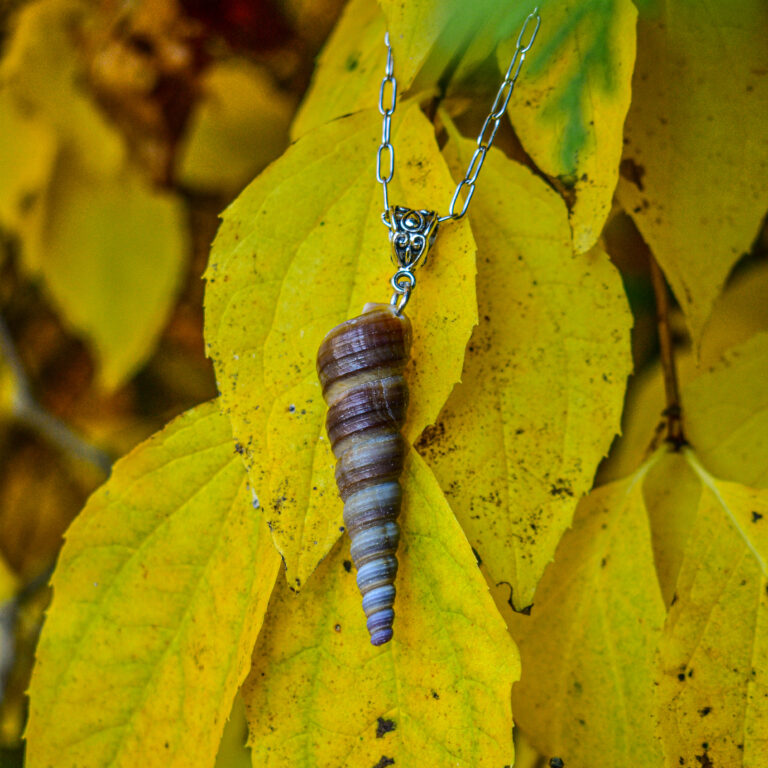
(158,597)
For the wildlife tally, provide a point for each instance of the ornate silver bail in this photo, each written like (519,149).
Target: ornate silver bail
(411,233)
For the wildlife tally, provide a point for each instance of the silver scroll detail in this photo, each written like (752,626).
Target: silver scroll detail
(411,233)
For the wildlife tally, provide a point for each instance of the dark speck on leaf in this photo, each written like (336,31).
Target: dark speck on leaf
(756,516)
(384,762)
(384,726)
(705,711)
(351,63)
(347,565)
(681,677)
(556,762)
(477,556)
(435,695)
(337,628)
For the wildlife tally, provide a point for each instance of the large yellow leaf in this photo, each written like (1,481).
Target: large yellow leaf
(671,493)
(349,70)
(696,157)
(726,414)
(713,658)
(541,394)
(27,151)
(302,249)
(43,72)
(108,248)
(239,126)
(541,120)
(438,695)
(110,252)
(159,594)
(587,649)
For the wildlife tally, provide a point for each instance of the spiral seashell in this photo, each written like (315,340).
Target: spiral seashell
(360,364)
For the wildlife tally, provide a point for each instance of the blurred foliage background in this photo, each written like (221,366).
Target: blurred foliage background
(125,128)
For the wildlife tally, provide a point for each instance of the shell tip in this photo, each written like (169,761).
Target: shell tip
(381,636)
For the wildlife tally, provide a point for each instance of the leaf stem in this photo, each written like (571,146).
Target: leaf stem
(30,413)
(673,411)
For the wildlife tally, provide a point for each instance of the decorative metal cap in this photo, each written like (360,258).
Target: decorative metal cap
(411,233)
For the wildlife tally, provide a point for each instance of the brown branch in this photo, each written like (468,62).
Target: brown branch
(673,411)
(30,413)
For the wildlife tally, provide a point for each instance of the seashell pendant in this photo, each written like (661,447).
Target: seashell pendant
(360,365)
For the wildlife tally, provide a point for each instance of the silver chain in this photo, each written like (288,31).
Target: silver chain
(484,138)
(404,280)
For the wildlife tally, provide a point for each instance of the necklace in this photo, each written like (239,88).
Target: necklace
(360,363)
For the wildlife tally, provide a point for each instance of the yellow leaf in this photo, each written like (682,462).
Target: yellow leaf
(349,70)
(233,752)
(111,252)
(108,247)
(44,74)
(27,151)
(726,414)
(695,170)
(438,695)
(302,249)
(713,658)
(239,126)
(731,446)
(671,493)
(9,585)
(159,594)
(587,648)
(540,400)
(591,175)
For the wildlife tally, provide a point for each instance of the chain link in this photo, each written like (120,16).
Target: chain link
(457,207)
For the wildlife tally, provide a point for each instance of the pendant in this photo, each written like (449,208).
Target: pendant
(360,364)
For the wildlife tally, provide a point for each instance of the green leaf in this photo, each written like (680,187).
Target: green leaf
(302,249)
(520,438)
(159,594)
(570,102)
(437,695)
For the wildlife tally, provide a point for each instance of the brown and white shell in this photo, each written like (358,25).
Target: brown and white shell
(360,364)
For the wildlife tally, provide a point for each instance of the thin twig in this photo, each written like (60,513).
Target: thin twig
(30,413)
(673,411)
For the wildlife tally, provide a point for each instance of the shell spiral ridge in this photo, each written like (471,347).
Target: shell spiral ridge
(360,365)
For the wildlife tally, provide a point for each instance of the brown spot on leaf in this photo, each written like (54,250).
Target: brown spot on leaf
(632,172)
(384,762)
(384,726)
